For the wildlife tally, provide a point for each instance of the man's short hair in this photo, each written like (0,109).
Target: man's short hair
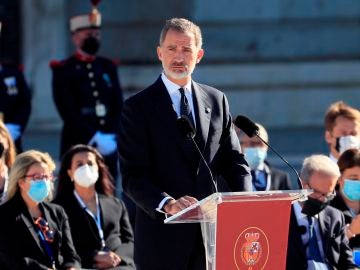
(318,163)
(349,159)
(262,132)
(183,26)
(337,109)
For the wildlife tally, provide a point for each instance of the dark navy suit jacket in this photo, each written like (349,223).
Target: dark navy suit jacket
(336,245)
(20,245)
(155,162)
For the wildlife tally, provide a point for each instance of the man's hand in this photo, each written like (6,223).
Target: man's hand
(174,206)
(103,260)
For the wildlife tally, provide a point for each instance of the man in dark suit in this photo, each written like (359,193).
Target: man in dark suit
(264,176)
(87,92)
(161,170)
(317,237)
(15,101)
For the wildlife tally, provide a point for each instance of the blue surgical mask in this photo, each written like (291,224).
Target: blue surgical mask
(351,189)
(39,190)
(255,156)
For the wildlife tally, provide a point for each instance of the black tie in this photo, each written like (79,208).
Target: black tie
(185,109)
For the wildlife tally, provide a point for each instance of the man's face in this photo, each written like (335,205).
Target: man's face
(323,185)
(179,56)
(79,36)
(352,173)
(343,127)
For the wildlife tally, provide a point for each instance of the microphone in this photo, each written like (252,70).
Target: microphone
(186,127)
(187,130)
(251,130)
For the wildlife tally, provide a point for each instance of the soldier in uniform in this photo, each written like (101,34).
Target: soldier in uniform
(87,92)
(15,101)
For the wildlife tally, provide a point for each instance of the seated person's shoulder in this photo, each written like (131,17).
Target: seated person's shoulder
(112,201)
(57,209)
(333,213)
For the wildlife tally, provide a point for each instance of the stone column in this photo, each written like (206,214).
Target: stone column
(44,38)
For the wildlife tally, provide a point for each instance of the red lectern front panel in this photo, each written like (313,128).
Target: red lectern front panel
(252,235)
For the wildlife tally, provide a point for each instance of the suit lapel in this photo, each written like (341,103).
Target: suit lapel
(87,220)
(164,111)
(30,227)
(203,109)
(324,221)
(295,235)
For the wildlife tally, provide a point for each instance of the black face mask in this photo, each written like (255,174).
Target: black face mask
(90,45)
(313,206)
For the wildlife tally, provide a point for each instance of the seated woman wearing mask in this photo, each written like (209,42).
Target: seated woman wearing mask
(7,157)
(34,234)
(348,196)
(99,222)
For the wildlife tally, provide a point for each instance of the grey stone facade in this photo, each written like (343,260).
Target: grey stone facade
(281,62)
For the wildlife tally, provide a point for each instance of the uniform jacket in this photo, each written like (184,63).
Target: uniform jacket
(88,97)
(336,245)
(116,226)
(156,162)
(15,98)
(20,245)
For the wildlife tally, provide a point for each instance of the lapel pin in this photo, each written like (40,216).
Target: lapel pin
(207,110)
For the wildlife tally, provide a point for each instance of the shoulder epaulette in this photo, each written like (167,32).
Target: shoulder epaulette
(21,67)
(56,63)
(116,62)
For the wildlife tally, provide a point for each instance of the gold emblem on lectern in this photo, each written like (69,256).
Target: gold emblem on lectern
(251,250)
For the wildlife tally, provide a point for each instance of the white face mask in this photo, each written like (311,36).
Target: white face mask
(347,142)
(86,176)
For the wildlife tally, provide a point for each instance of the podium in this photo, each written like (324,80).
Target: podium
(243,230)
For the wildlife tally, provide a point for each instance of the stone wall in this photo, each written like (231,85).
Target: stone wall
(281,62)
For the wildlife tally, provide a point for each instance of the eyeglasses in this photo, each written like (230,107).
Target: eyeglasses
(38,177)
(328,196)
(45,229)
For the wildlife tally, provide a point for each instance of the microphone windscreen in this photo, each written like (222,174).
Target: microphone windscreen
(185,126)
(246,125)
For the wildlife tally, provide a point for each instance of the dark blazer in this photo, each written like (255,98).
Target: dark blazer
(77,87)
(15,98)
(335,242)
(20,246)
(156,162)
(116,226)
(339,203)
(280,180)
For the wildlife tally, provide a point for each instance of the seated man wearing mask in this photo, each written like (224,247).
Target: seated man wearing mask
(342,128)
(265,177)
(317,237)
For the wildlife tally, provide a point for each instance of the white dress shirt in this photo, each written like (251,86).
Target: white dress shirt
(173,90)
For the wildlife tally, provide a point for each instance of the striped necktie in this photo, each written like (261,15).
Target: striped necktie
(185,109)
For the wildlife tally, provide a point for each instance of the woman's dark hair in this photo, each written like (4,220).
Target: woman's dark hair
(349,159)
(65,185)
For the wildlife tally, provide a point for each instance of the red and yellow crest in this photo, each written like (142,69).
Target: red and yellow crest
(251,250)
